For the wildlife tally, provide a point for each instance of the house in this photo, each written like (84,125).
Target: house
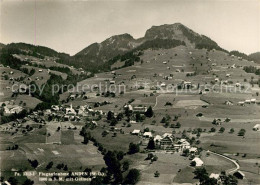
(166,143)
(228,102)
(167,135)
(253,100)
(215,176)
(164,62)
(55,108)
(148,134)
(70,111)
(239,175)
(40,70)
(186,85)
(72,97)
(198,161)
(130,107)
(256,127)
(248,101)
(181,145)
(157,139)
(238,84)
(228,75)
(216,79)
(163,84)
(213,64)
(11,109)
(242,103)
(140,109)
(193,150)
(112,82)
(136,132)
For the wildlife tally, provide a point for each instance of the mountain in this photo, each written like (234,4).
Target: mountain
(100,56)
(255,57)
(99,53)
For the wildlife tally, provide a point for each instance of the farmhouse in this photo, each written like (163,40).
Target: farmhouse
(167,143)
(148,134)
(228,75)
(253,100)
(193,150)
(140,109)
(239,175)
(256,127)
(157,139)
(228,102)
(248,101)
(215,176)
(163,84)
(242,103)
(198,161)
(11,109)
(72,97)
(136,132)
(181,145)
(55,108)
(112,82)
(70,111)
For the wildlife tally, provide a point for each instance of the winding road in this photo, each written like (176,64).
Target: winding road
(233,161)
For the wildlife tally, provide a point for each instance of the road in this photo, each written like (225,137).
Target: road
(233,161)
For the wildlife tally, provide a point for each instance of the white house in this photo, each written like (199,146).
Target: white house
(253,100)
(228,75)
(256,127)
(136,132)
(193,150)
(70,111)
(148,134)
(157,138)
(163,84)
(198,161)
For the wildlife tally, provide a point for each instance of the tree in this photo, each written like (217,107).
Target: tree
(133,148)
(241,132)
(28,182)
(34,163)
(222,129)
(125,165)
(156,174)
(49,165)
(178,125)
(113,166)
(13,181)
(201,174)
(149,113)
(151,144)
(96,181)
(212,129)
(193,163)
(186,152)
(110,115)
(132,177)
(231,131)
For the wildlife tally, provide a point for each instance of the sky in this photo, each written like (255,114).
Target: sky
(71,25)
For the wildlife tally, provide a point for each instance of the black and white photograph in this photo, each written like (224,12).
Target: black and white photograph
(125,92)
